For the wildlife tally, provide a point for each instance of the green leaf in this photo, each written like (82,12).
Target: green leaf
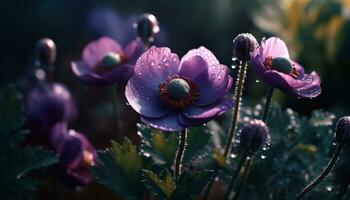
(162,187)
(159,146)
(191,184)
(119,168)
(127,157)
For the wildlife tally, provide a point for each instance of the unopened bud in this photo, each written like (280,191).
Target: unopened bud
(253,135)
(243,45)
(342,131)
(45,52)
(147,27)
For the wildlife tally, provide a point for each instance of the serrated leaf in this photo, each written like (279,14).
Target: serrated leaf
(161,147)
(191,184)
(109,173)
(198,141)
(127,157)
(161,187)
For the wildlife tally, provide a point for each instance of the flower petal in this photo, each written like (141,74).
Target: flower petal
(274,47)
(202,114)
(95,50)
(86,75)
(205,70)
(169,122)
(151,69)
(144,100)
(133,51)
(311,89)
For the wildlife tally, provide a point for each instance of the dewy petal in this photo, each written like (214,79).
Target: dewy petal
(274,47)
(204,69)
(95,50)
(151,69)
(203,114)
(169,122)
(133,51)
(311,89)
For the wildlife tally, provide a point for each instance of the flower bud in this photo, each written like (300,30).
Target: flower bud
(147,26)
(243,45)
(45,52)
(253,135)
(342,131)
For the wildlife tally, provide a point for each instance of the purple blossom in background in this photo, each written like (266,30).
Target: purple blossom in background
(105,62)
(46,105)
(171,95)
(272,64)
(76,154)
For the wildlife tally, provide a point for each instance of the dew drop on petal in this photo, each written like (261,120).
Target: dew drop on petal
(263,156)
(152,63)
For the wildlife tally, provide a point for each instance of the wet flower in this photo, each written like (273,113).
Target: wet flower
(76,156)
(46,52)
(105,62)
(243,45)
(171,95)
(342,131)
(253,135)
(272,63)
(46,105)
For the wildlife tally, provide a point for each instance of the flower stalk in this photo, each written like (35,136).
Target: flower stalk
(244,178)
(238,97)
(324,173)
(268,104)
(235,174)
(180,154)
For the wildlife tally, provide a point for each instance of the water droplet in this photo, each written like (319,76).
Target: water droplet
(166,63)
(152,63)
(127,103)
(140,73)
(219,77)
(224,107)
(257,81)
(329,188)
(159,66)
(263,157)
(334,143)
(233,155)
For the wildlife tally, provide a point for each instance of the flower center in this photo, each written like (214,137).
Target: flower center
(281,64)
(111,59)
(178,92)
(178,88)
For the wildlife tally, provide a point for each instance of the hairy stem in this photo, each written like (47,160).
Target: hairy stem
(324,173)
(243,179)
(268,104)
(238,96)
(180,153)
(235,174)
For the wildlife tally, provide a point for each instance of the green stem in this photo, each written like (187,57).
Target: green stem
(211,181)
(117,111)
(244,178)
(268,104)
(324,173)
(238,96)
(235,174)
(180,153)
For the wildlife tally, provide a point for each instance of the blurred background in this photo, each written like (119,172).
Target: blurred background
(316,32)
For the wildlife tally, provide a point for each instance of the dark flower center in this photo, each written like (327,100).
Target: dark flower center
(281,64)
(111,59)
(178,92)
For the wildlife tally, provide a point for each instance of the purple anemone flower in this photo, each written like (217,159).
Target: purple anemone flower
(105,62)
(273,65)
(76,154)
(46,105)
(171,95)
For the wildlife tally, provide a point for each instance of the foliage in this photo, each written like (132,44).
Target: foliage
(17,160)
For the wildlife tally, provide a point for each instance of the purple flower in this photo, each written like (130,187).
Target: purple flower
(272,63)
(46,105)
(105,62)
(76,154)
(171,95)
